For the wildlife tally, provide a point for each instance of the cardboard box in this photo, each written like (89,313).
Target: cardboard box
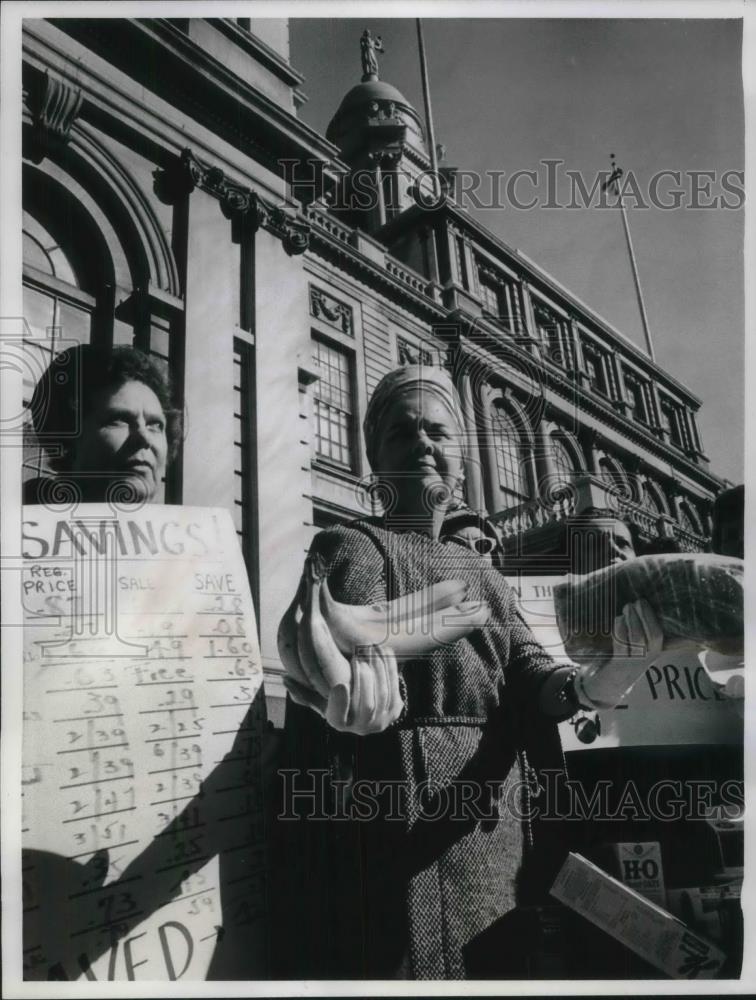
(640,868)
(642,926)
(713,910)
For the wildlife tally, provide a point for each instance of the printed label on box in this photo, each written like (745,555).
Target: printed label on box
(640,867)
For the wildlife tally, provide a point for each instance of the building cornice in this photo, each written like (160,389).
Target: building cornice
(334,244)
(485,343)
(530,272)
(236,200)
(258,50)
(617,339)
(199,85)
(386,276)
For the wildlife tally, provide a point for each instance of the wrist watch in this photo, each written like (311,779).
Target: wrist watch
(567,693)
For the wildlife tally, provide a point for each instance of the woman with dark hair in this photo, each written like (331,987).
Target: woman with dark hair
(106,420)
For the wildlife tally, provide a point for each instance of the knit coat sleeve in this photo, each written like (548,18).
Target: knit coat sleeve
(355,567)
(528,663)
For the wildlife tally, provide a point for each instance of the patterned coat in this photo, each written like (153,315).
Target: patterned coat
(425,839)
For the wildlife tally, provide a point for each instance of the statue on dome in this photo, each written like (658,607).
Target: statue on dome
(369,46)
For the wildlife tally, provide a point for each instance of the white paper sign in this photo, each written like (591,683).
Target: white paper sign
(674,702)
(141,753)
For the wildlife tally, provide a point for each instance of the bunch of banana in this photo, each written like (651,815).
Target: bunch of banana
(319,639)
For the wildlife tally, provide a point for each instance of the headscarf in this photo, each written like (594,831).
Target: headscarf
(428,379)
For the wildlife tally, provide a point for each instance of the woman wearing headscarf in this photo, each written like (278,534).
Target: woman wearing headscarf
(404,831)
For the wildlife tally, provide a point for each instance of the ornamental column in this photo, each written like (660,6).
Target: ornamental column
(211,273)
(473,478)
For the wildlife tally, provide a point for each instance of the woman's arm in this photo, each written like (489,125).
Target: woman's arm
(370,700)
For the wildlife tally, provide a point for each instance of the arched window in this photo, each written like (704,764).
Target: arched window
(55,304)
(58,312)
(688,519)
(613,475)
(510,464)
(610,471)
(96,259)
(564,461)
(652,499)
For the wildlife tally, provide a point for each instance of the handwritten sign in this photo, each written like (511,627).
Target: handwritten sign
(142,817)
(674,703)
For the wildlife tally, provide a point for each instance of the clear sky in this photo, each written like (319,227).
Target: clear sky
(660,94)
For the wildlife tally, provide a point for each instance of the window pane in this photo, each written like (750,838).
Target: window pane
(34,255)
(650,502)
(39,313)
(500,297)
(34,459)
(549,326)
(636,399)
(74,323)
(610,473)
(687,523)
(509,459)
(510,309)
(490,298)
(594,365)
(565,465)
(333,405)
(459,245)
(57,263)
(671,422)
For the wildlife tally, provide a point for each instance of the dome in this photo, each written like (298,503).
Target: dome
(368,101)
(373,90)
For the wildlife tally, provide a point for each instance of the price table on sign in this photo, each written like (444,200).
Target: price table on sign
(142,785)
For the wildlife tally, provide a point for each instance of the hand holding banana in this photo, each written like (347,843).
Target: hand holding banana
(340,659)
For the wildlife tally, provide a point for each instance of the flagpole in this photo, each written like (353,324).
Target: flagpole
(613,184)
(427,102)
(437,186)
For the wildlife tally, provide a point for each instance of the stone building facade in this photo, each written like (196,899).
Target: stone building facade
(173,200)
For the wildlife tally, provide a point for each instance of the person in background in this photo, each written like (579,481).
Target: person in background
(727,534)
(106,420)
(597,538)
(463,526)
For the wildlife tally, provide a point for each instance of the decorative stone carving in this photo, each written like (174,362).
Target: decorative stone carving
(194,170)
(412,354)
(383,111)
(54,106)
(388,157)
(293,232)
(236,201)
(326,307)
